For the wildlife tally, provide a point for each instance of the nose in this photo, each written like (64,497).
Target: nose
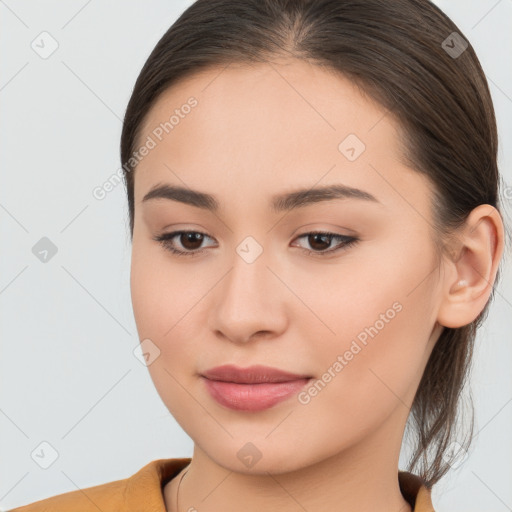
(249,302)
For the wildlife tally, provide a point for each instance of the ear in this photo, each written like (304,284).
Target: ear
(470,274)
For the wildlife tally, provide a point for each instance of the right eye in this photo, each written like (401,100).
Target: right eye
(186,239)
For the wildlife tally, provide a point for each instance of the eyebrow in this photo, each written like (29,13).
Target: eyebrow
(279,203)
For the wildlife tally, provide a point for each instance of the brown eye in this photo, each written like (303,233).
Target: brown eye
(189,242)
(320,242)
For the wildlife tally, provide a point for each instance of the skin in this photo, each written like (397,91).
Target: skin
(258,131)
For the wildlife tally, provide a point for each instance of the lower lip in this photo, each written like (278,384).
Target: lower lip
(253,397)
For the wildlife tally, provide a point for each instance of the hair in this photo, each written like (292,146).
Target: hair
(397,54)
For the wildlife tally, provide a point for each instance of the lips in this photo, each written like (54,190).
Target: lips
(256,374)
(252,389)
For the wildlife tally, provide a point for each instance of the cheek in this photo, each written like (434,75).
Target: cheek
(145,293)
(170,309)
(379,331)
(159,291)
(160,309)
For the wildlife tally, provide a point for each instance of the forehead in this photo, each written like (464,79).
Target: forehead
(268,126)
(265,94)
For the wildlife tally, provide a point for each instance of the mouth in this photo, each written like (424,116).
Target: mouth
(252,389)
(256,374)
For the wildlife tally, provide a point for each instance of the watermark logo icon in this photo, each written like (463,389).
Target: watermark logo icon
(44,455)
(351,147)
(44,45)
(249,249)
(44,250)
(454,45)
(146,352)
(455,455)
(249,454)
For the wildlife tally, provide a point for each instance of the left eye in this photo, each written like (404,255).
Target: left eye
(195,238)
(322,238)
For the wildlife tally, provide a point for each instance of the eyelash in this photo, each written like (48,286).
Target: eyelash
(348,241)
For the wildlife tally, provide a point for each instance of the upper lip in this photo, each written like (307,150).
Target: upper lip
(251,375)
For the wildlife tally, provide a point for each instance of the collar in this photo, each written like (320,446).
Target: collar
(144,489)
(415,492)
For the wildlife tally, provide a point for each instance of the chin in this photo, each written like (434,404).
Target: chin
(262,456)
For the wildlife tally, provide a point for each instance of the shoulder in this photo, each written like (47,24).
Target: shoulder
(105,497)
(141,491)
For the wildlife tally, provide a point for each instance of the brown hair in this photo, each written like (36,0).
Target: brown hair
(399,54)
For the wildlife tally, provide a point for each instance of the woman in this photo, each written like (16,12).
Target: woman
(313,201)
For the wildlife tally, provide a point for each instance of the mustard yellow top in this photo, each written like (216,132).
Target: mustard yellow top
(143,492)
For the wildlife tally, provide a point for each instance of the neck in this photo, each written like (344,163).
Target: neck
(363,477)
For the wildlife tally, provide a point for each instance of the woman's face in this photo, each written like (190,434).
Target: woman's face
(361,321)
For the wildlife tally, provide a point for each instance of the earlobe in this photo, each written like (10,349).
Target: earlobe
(469,282)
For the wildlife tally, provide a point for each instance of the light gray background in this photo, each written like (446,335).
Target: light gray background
(69,375)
